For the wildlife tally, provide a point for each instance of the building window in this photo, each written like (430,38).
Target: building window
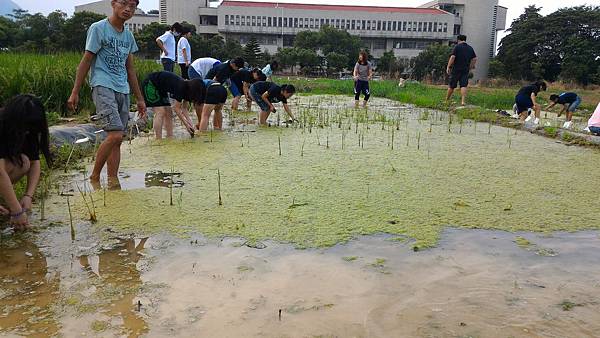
(414,26)
(353,26)
(379,44)
(456,29)
(378,25)
(404,26)
(420,27)
(430,28)
(237,20)
(295,22)
(368,24)
(446,27)
(226,20)
(264,21)
(270,22)
(435,26)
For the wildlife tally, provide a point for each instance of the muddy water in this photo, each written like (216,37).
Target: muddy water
(197,268)
(475,283)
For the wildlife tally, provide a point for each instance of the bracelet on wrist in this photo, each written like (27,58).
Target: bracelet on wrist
(18,214)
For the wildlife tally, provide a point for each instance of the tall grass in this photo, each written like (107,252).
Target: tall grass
(415,93)
(51,77)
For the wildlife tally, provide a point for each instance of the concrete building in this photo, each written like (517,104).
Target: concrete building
(103,7)
(405,30)
(480,21)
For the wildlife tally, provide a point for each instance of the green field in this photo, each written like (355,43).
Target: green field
(51,77)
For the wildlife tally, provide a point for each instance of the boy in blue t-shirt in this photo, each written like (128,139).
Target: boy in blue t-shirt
(108,57)
(570,102)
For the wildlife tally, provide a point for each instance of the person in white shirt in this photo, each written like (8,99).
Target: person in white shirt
(200,67)
(184,53)
(167,45)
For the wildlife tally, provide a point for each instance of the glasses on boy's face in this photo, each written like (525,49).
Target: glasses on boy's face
(131,4)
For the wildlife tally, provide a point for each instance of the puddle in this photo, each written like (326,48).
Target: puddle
(475,283)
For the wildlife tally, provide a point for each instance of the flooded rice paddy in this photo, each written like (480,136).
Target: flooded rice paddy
(200,237)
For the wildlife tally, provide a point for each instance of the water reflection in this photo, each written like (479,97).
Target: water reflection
(28,290)
(117,279)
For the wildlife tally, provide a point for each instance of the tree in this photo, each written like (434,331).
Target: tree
(496,68)
(432,62)
(388,63)
(232,49)
(252,52)
(563,44)
(307,58)
(146,39)
(287,57)
(75,30)
(308,40)
(336,62)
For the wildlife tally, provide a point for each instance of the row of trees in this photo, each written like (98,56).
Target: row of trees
(563,45)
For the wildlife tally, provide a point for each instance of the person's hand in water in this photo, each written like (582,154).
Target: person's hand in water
(26,203)
(20,221)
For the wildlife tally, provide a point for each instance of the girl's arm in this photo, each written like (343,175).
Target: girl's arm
(33,178)
(265,97)
(8,194)
(533,97)
(355,73)
(370,73)
(183,117)
(288,111)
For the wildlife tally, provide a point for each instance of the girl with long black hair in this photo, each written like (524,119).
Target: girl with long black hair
(23,135)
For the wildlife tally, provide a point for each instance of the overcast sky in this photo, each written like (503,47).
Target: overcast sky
(515,7)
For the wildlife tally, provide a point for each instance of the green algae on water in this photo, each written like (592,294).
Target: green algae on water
(337,195)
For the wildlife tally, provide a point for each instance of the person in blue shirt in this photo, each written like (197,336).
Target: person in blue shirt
(108,55)
(526,100)
(269,69)
(570,102)
(266,93)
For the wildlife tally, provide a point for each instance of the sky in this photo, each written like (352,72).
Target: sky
(515,7)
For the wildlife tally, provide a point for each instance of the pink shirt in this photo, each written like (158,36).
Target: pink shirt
(595,119)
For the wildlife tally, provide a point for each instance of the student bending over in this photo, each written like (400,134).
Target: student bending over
(267,93)
(158,87)
(216,95)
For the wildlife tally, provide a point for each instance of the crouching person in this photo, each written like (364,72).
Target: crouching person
(267,93)
(159,87)
(215,98)
(23,134)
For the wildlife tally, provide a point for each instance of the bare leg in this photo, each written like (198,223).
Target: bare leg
(264,115)
(218,117)
(113,162)
(157,124)
(113,140)
(569,116)
(206,111)
(235,103)
(538,110)
(198,109)
(463,96)
(168,121)
(249,104)
(449,94)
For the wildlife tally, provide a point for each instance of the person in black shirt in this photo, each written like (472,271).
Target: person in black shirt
(224,71)
(570,102)
(240,85)
(23,134)
(525,100)
(462,60)
(216,95)
(159,87)
(267,93)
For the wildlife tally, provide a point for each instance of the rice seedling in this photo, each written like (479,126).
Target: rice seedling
(90,206)
(219,185)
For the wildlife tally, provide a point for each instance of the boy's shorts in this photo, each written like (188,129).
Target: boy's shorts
(573,106)
(153,97)
(523,103)
(193,74)
(459,78)
(216,94)
(112,108)
(235,88)
(264,106)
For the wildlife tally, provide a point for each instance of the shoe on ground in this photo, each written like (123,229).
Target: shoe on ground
(568,125)
(536,121)
(528,118)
